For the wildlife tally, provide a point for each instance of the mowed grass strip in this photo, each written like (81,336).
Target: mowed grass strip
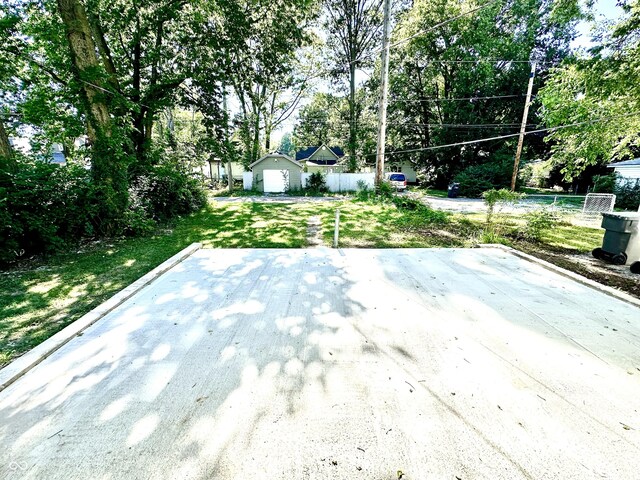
(40,297)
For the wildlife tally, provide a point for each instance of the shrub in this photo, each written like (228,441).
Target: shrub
(604,183)
(628,195)
(316,183)
(478,178)
(419,213)
(539,221)
(493,197)
(385,190)
(43,207)
(165,191)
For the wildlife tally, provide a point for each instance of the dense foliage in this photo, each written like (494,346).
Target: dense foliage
(44,207)
(108,82)
(476,179)
(595,98)
(628,195)
(455,77)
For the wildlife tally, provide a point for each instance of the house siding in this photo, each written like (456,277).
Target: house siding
(276,163)
(324,169)
(628,173)
(404,167)
(321,154)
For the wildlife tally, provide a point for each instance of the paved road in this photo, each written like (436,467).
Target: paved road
(291,364)
(277,199)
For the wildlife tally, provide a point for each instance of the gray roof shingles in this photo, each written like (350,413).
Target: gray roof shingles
(626,163)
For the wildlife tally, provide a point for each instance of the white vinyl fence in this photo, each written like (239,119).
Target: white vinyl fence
(343,182)
(247,180)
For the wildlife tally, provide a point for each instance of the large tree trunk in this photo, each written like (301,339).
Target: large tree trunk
(108,167)
(268,123)
(139,114)
(353,164)
(85,62)
(229,177)
(7,160)
(103,48)
(255,149)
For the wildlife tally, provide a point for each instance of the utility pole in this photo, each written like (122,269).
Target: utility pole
(523,127)
(384,87)
(226,139)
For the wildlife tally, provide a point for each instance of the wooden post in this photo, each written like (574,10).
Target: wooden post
(384,87)
(336,229)
(523,127)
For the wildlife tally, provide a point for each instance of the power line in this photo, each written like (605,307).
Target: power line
(323,121)
(501,137)
(421,32)
(489,60)
(437,25)
(463,125)
(460,99)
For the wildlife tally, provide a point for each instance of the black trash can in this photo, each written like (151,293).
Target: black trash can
(453,190)
(621,242)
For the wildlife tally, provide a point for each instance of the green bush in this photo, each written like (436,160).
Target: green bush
(538,222)
(316,183)
(385,190)
(628,195)
(163,192)
(420,214)
(478,178)
(493,197)
(604,183)
(43,207)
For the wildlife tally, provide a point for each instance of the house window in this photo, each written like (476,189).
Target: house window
(395,168)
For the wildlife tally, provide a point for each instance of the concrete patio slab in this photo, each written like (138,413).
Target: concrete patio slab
(274,364)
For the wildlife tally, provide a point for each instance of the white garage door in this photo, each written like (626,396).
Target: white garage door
(276,181)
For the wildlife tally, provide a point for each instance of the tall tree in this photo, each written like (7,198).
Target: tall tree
(353,29)
(9,69)
(321,122)
(107,166)
(258,42)
(7,162)
(465,79)
(599,95)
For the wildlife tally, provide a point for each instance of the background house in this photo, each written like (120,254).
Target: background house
(55,155)
(276,173)
(404,166)
(215,170)
(627,171)
(321,159)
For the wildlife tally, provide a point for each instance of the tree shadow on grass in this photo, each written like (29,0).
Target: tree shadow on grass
(36,302)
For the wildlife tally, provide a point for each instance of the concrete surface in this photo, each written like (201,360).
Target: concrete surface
(288,364)
(26,362)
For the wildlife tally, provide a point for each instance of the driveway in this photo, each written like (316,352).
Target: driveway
(275,198)
(346,364)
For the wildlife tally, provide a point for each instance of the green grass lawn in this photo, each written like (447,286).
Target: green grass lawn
(433,193)
(382,225)
(41,296)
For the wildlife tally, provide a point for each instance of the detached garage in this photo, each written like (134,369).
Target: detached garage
(276,173)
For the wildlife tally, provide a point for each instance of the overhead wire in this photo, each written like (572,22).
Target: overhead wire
(459,99)
(501,137)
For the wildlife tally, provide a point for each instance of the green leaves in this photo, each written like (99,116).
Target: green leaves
(602,95)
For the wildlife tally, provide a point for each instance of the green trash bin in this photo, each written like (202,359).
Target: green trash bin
(621,242)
